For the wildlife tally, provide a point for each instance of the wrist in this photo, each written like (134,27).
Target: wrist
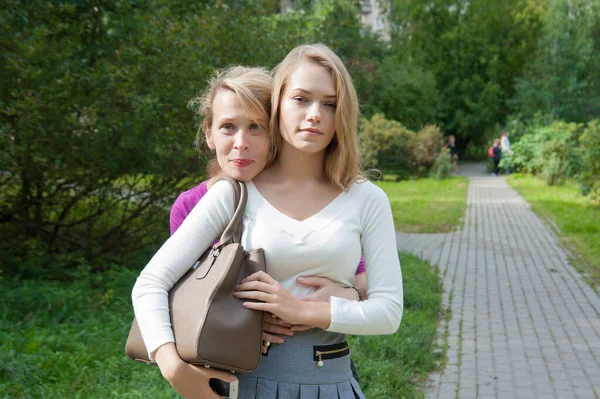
(359,294)
(316,314)
(167,359)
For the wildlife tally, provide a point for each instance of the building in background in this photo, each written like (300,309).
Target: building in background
(373,17)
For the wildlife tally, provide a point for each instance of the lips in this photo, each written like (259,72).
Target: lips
(312,131)
(241,162)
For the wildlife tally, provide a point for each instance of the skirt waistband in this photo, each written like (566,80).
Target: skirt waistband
(314,358)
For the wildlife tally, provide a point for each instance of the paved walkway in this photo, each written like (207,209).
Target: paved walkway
(524,323)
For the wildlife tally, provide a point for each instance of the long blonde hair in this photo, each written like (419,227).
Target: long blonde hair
(342,162)
(252,85)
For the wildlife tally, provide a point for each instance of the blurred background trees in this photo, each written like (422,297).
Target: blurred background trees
(97,141)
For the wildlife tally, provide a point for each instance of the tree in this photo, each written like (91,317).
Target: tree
(475,50)
(563,79)
(94,128)
(405,92)
(94,122)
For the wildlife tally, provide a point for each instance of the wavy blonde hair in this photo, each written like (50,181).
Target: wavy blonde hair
(253,87)
(342,161)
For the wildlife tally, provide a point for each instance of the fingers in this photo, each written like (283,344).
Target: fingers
(260,276)
(256,295)
(262,306)
(256,286)
(300,327)
(272,319)
(274,339)
(313,281)
(276,329)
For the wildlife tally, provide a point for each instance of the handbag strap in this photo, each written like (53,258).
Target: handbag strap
(233,231)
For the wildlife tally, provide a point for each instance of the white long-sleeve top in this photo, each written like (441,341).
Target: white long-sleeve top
(327,244)
(505,144)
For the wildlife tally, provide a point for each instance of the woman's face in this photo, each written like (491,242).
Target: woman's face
(307,108)
(239,139)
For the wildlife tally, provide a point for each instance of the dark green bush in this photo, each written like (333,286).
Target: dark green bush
(405,92)
(589,176)
(94,129)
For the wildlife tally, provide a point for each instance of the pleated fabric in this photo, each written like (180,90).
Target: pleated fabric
(255,388)
(290,372)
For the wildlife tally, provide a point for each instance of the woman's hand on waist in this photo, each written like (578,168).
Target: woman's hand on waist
(274,298)
(325,290)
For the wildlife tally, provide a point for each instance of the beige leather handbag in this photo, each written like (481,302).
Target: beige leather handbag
(210,325)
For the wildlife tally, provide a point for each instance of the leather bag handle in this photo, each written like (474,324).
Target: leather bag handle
(233,231)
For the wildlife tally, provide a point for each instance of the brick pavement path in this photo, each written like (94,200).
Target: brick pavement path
(524,323)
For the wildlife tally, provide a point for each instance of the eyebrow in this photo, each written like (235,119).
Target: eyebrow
(229,119)
(308,92)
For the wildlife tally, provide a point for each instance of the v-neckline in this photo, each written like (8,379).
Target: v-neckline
(291,219)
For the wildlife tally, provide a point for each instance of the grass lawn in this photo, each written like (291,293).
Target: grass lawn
(62,340)
(577,218)
(397,366)
(427,205)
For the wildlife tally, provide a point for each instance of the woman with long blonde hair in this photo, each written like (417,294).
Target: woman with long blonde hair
(313,214)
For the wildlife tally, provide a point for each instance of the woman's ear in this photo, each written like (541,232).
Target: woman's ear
(209,140)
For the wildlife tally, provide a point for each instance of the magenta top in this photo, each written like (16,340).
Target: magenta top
(187,200)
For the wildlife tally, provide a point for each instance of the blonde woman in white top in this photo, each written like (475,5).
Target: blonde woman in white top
(312,213)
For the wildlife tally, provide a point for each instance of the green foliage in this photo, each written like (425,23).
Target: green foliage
(62,340)
(405,93)
(589,176)
(562,79)
(386,144)
(397,366)
(96,137)
(426,147)
(551,151)
(559,151)
(94,127)
(474,50)
(443,165)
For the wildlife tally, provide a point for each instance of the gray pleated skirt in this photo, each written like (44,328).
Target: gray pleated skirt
(290,371)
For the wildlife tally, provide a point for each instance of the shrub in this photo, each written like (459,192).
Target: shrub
(386,144)
(589,175)
(426,147)
(443,165)
(551,151)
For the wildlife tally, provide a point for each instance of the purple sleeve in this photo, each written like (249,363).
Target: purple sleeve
(178,213)
(184,204)
(361,266)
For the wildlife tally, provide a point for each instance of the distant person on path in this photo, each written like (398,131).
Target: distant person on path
(451,145)
(505,146)
(497,156)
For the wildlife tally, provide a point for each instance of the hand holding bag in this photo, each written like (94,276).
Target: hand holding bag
(210,325)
